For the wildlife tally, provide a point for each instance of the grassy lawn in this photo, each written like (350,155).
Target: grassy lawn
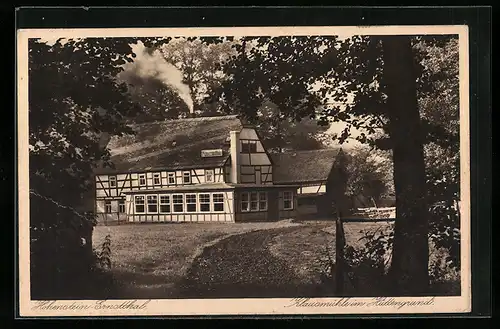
(150,259)
(190,260)
(306,249)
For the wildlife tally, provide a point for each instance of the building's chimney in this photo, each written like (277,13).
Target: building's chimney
(235,157)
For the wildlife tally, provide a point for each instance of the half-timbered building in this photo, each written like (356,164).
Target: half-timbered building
(203,170)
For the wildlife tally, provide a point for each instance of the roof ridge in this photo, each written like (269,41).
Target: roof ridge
(210,118)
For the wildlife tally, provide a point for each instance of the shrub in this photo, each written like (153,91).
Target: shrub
(366,266)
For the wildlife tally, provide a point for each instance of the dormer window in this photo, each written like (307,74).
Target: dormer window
(248,146)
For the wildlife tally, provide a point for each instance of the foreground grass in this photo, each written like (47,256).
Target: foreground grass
(150,259)
(191,260)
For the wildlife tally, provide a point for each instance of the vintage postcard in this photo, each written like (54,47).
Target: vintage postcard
(243,171)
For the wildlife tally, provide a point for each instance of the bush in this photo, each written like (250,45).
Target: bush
(366,267)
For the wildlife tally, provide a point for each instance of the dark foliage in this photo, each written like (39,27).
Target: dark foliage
(73,99)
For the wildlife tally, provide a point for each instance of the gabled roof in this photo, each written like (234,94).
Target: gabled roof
(173,144)
(303,166)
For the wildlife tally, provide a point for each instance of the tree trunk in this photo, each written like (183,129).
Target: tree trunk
(409,267)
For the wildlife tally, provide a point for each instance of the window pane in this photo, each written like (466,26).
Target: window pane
(107,206)
(152,203)
(204,198)
(204,202)
(209,175)
(244,196)
(178,202)
(218,197)
(244,206)
(191,202)
(244,147)
(287,200)
(121,206)
(254,204)
(139,204)
(253,147)
(164,208)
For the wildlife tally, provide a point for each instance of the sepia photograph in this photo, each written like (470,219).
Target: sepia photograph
(188,171)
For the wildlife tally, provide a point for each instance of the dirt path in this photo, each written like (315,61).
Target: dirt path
(242,266)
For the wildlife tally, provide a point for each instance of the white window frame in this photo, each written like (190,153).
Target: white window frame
(209,172)
(220,202)
(205,203)
(169,203)
(256,201)
(156,175)
(171,175)
(174,204)
(287,199)
(151,197)
(184,175)
(120,204)
(142,176)
(261,200)
(107,207)
(136,204)
(247,143)
(112,179)
(247,202)
(190,203)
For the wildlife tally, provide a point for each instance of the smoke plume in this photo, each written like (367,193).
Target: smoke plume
(154,66)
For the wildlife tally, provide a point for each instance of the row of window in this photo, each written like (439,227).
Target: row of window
(257,201)
(202,202)
(179,203)
(253,201)
(171,179)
